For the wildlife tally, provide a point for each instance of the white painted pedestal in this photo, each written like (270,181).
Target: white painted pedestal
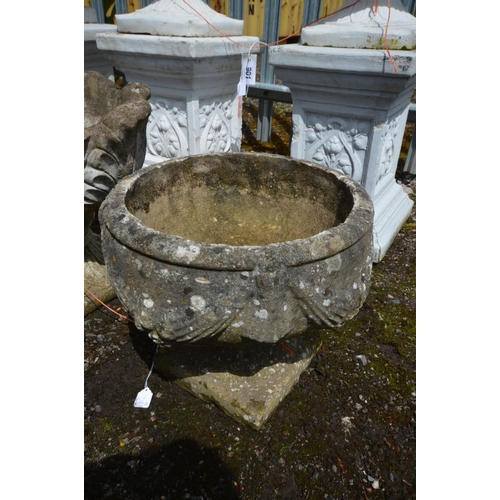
(193,78)
(349,114)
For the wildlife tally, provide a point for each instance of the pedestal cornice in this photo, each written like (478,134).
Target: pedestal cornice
(90,30)
(329,59)
(171,46)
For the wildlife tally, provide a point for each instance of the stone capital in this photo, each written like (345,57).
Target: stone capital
(366,24)
(179,18)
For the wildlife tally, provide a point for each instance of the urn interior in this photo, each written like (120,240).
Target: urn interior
(239,200)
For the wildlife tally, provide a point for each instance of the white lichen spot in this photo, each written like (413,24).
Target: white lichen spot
(355,286)
(262,314)
(148,303)
(334,263)
(256,302)
(197,303)
(327,302)
(238,324)
(189,253)
(285,307)
(138,263)
(301,285)
(200,279)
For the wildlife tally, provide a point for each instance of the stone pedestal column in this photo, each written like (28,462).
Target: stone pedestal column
(350,101)
(180,53)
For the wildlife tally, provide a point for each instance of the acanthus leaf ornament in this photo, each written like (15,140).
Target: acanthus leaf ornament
(337,143)
(167,131)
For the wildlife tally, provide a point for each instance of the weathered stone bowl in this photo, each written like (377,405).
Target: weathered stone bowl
(237,245)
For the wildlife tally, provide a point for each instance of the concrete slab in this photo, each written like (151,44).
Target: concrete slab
(247,381)
(97,281)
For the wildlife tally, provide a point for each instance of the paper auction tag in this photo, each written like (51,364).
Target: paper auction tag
(143,398)
(250,64)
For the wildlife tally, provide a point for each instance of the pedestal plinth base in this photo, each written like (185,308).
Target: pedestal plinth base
(392,209)
(247,381)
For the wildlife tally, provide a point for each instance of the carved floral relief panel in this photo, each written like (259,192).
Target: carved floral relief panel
(167,130)
(337,143)
(215,126)
(389,155)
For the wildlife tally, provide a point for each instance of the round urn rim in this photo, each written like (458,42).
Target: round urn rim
(131,232)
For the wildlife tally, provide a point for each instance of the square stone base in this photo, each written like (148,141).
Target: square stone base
(97,282)
(247,381)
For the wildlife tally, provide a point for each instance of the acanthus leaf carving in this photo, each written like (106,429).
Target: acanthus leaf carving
(388,160)
(337,143)
(167,131)
(215,127)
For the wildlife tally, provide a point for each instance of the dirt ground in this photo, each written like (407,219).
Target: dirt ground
(346,431)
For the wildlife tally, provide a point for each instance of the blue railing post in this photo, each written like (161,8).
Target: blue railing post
(312,10)
(236,9)
(121,6)
(410,5)
(271,34)
(99,11)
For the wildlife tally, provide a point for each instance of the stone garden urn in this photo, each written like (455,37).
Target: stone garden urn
(245,252)
(115,123)
(235,246)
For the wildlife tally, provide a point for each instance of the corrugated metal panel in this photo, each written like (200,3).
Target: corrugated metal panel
(330,6)
(220,6)
(121,6)
(253,17)
(99,10)
(236,9)
(291,17)
(292,12)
